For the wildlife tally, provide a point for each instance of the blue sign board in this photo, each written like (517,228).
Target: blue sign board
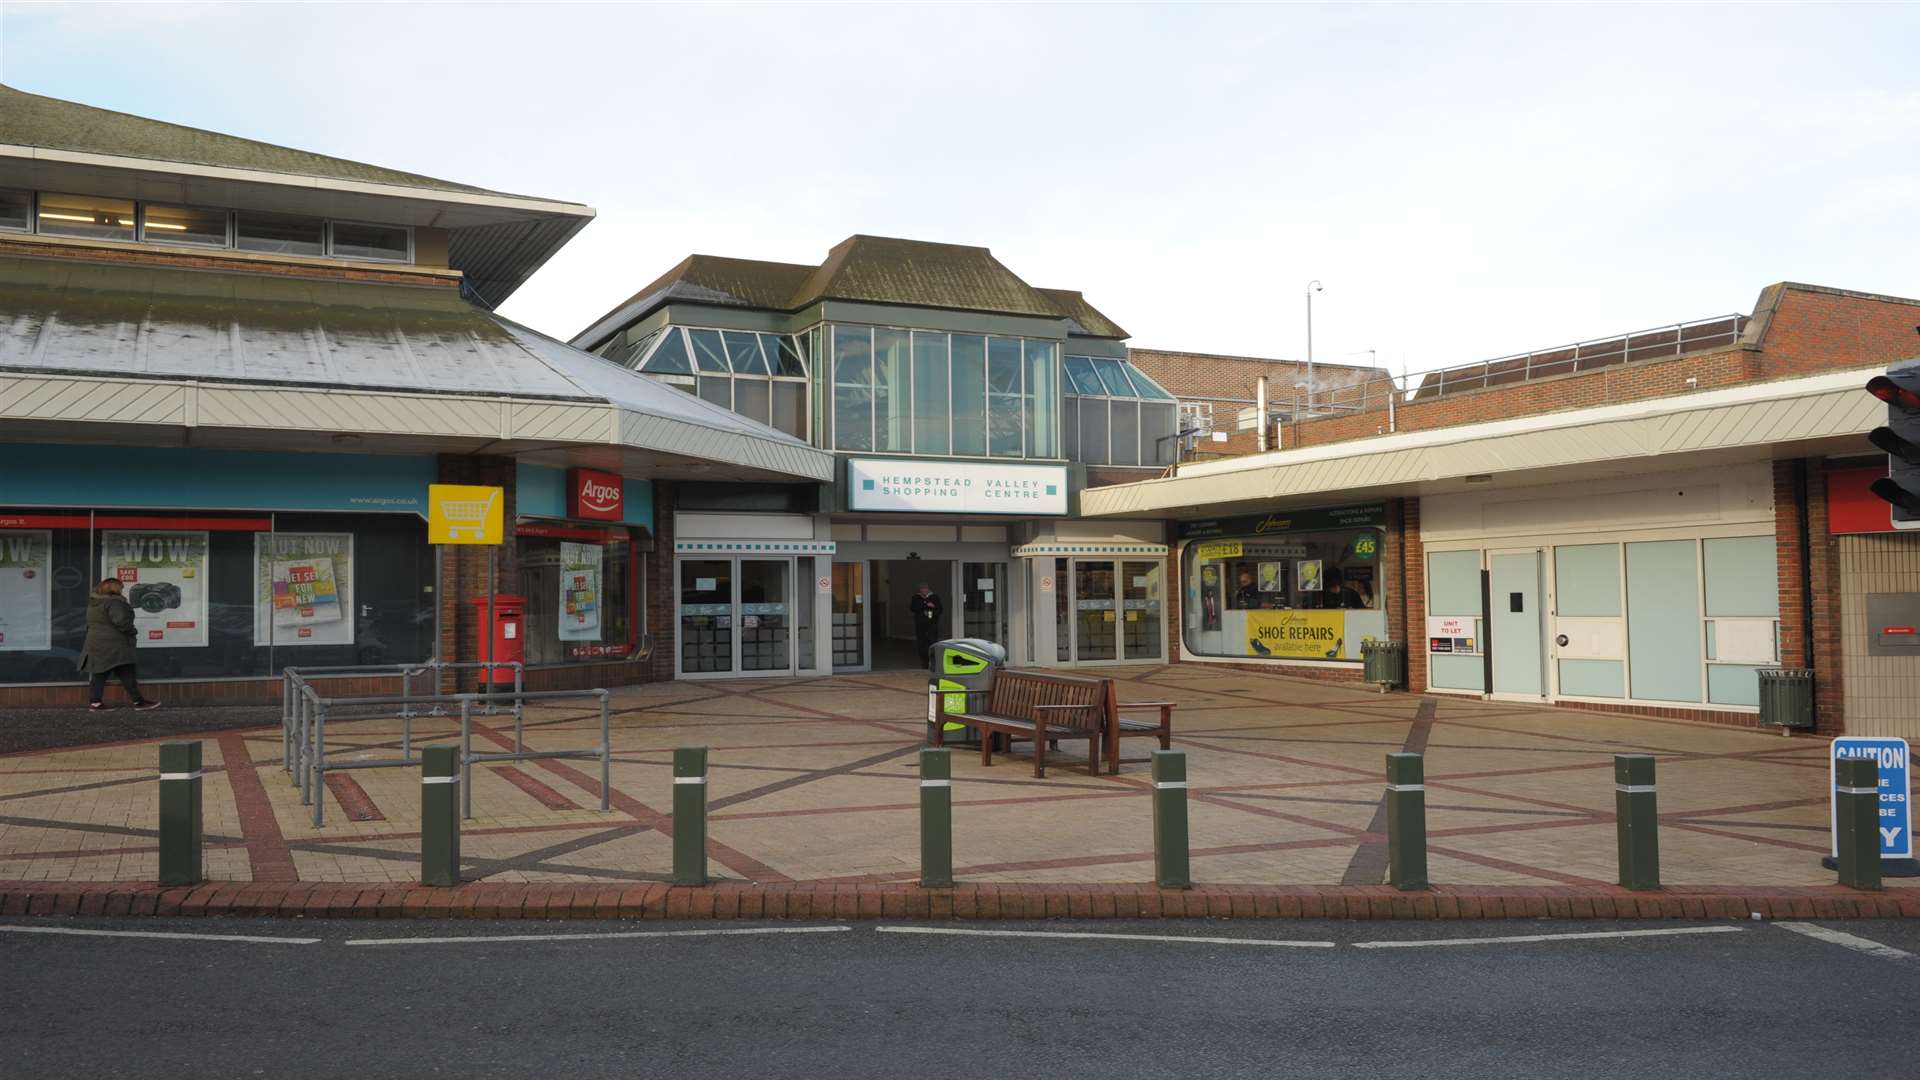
(182,478)
(1896,808)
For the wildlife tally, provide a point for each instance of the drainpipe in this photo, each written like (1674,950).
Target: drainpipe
(1260,411)
(1806,574)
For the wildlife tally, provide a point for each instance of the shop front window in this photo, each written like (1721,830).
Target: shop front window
(215,595)
(1310,594)
(582,593)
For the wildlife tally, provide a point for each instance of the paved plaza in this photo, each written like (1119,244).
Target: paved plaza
(814,780)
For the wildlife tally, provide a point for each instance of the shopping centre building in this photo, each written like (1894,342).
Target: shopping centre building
(229,371)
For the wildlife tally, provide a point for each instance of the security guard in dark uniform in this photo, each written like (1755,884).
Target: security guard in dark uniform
(925,607)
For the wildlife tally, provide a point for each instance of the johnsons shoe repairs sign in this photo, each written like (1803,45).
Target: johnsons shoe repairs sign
(955,487)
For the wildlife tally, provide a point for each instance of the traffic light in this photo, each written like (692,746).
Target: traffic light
(1900,438)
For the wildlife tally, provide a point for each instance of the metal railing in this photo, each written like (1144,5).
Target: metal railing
(305,711)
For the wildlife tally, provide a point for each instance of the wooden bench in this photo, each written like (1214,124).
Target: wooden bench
(1042,706)
(1120,727)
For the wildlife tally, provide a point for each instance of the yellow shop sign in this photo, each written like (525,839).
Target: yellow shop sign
(1219,549)
(1297,635)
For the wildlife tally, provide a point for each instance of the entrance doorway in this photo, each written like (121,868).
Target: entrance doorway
(1519,648)
(1107,610)
(890,631)
(738,616)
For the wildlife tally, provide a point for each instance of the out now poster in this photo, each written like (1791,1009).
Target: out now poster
(164,576)
(26,590)
(579,591)
(1297,635)
(303,589)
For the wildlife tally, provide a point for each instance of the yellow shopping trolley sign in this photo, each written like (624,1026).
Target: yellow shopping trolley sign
(464,514)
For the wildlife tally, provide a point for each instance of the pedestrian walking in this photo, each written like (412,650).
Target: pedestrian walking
(109,647)
(925,607)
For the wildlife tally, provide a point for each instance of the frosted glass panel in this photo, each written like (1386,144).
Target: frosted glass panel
(1586,580)
(1593,678)
(1457,673)
(1453,583)
(1741,578)
(1663,620)
(1733,684)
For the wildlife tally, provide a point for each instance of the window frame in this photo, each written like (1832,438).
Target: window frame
(407,229)
(140,226)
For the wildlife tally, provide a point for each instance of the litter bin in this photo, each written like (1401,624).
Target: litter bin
(1386,663)
(959,664)
(1786,699)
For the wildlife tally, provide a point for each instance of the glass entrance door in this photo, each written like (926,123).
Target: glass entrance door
(983,607)
(1519,653)
(1096,622)
(1140,619)
(706,616)
(765,625)
(850,617)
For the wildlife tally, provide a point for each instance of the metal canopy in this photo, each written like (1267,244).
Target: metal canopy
(165,348)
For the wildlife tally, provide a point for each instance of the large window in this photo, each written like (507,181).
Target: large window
(1116,415)
(215,595)
(927,392)
(1271,592)
(760,376)
(583,593)
(95,218)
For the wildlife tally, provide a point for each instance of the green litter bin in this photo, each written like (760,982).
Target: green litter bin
(1386,663)
(1786,699)
(959,664)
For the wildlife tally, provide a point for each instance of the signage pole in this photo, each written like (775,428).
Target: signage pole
(492,584)
(1486,629)
(439,597)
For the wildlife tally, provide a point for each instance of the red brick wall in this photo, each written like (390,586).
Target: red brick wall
(1802,330)
(1413,595)
(1822,654)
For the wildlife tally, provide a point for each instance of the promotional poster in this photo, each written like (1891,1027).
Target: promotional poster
(164,577)
(26,590)
(579,591)
(302,589)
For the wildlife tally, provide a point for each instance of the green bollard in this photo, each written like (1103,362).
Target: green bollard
(936,818)
(1637,821)
(440,815)
(1170,866)
(690,815)
(181,852)
(1407,821)
(1856,786)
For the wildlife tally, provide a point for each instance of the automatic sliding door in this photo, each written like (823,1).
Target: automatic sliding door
(984,604)
(849,616)
(1095,619)
(706,615)
(1140,595)
(765,627)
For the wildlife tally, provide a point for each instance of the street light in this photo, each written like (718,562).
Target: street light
(1312,287)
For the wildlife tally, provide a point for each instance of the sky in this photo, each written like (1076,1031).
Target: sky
(1465,181)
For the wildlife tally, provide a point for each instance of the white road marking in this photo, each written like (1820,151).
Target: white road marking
(1846,940)
(1080,936)
(74,932)
(730,932)
(1524,938)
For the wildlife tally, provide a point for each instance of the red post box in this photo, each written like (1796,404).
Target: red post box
(509,636)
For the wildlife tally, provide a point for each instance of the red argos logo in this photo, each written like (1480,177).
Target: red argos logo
(595,495)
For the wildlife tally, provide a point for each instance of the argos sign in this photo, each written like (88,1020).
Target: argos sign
(595,495)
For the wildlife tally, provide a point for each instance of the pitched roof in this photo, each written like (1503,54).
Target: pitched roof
(867,269)
(887,270)
(1212,375)
(33,120)
(1088,322)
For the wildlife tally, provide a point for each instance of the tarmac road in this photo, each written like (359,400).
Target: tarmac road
(856,1000)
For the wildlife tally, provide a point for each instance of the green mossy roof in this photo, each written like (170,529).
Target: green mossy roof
(33,120)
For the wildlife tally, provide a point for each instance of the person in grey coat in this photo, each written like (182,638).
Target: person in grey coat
(109,646)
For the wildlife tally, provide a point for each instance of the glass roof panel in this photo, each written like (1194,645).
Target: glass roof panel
(708,352)
(1114,376)
(1146,387)
(1081,377)
(744,351)
(629,355)
(783,354)
(670,357)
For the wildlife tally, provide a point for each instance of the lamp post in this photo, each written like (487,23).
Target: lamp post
(1312,287)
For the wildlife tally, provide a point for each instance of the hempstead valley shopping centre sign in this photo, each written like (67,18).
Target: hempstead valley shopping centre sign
(955,487)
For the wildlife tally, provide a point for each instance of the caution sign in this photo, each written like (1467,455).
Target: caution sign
(1896,810)
(465,514)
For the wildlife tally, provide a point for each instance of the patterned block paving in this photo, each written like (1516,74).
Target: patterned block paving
(814,780)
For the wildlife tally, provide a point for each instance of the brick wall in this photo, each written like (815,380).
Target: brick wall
(1822,654)
(1413,593)
(1798,330)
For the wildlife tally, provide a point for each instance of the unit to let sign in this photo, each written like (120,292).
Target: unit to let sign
(1896,809)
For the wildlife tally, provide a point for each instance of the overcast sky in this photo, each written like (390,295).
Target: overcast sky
(1466,181)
